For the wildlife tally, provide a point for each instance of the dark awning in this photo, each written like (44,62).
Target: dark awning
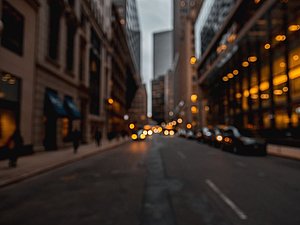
(55,104)
(71,108)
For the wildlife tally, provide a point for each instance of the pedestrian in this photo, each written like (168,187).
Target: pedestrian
(98,137)
(75,139)
(15,145)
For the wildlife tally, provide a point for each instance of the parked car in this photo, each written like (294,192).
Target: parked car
(242,141)
(206,135)
(217,136)
(182,133)
(190,135)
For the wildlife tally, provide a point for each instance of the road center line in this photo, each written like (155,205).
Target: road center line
(230,203)
(181,155)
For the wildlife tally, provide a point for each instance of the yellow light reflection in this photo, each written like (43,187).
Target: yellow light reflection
(252,58)
(189,126)
(245,64)
(194,109)
(235,72)
(193,60)
(279,80)
(295,57)
(294,27)
(225,79)
(267,46)
(264,86)
(285,89)
(246,93)
(133,136)
(230,75)
(278,92)
(254,90)
(280,37)
(294,73)
(110,101)
(194,98)
(238,95)
(264,96)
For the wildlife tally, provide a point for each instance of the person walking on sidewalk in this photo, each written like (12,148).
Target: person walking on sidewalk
(15,145)
(98,137)
(75,140)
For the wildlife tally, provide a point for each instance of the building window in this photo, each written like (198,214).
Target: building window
(82,60)
(54,28)
(70,47)
(13,32)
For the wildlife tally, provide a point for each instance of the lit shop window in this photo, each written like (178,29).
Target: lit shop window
(7,125)
(65,127)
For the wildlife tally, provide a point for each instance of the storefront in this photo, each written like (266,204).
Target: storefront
(9,107)
(60,116)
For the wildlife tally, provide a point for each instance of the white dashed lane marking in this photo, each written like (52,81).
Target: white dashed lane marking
(229,202)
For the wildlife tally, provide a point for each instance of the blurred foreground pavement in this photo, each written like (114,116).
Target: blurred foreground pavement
(163,180)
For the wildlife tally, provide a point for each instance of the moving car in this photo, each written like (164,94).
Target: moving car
(242,141)
(139,135)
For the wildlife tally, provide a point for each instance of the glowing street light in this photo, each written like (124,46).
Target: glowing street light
(194,98)
(193,60)
(131,126)
(110,101)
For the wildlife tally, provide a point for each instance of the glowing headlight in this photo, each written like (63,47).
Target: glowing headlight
(150,132)
(172,132)
(166,132)
(133,136)
(145,132)
(142,136)
(219,138)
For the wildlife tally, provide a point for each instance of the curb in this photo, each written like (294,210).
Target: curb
(284,151)
(58,165)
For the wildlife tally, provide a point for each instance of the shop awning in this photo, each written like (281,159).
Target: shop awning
(55,103)
(71,108)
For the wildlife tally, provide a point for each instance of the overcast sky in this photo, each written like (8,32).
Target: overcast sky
(154,15)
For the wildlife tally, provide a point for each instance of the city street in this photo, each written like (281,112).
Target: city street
(163,180)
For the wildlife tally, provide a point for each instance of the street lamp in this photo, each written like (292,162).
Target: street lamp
(194,98)
(131,126)
(193,60)
(110,101)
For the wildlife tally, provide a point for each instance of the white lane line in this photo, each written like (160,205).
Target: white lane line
(230,203)
(181,155)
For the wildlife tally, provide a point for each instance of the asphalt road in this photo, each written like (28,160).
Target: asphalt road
(162,181)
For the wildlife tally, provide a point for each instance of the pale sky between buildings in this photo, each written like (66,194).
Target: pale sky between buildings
(154,16)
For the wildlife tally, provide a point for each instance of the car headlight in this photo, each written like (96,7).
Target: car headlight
(142,136)
(133,136)
(219,138)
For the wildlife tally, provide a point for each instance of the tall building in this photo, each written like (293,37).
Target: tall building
(185,14)
(158,99)
(162,53)
(138,110)
(129,18)
(124,80)
(249,73)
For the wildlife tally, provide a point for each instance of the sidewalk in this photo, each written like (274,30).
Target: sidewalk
(29,166)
